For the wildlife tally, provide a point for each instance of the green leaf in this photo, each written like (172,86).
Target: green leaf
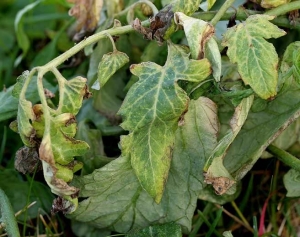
(199,36)
(165,230)
(109,64)
(22,38)
(289,68)
(257,59)
(9,102)
(259,130)
(114,193)
(18,191)
(188,7)
(210,4)
(291,182)
(151,111)
(71,94)
(217,174)
(95,157)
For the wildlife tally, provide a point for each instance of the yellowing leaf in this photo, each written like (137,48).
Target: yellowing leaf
(199,36)
(108,65)
(151,111)
(217,174)
(87,13)
(115,186)
(210,4)
(273,3)
(257,59)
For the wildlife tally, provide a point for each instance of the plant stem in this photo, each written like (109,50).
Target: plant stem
(92,39)
(240,214)
(242,14)
(285,157)
(8,217)
(221,12)
(284,8)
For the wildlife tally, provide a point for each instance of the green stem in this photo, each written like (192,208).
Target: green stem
(8,217)
(285,157)
(90,40)
(284,8)
(240,214)
(221,12)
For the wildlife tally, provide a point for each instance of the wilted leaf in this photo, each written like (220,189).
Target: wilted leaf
(217,175)
(291,182)
(259,130)
(199,36)
(87,13)
(151,111)
(162,25)
(257,59)
(164,230)
(114,193)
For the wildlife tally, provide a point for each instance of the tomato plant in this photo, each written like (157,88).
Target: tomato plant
(194,110)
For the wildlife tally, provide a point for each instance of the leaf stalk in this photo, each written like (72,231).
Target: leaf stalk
(221,12)
(285,157)
(284,8)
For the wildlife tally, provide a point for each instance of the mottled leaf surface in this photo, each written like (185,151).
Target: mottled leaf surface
(151,111)
(217,174)
(199,36)
(165,230)
(291,182)
(115,199)
(109,64)
(257,59)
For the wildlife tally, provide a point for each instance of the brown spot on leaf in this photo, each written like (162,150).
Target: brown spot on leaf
(220,184)
(61,205)
(27,160)
(87,93)
(159,24)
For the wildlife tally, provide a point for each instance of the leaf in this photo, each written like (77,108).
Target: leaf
(273,3)
(113,193)
(71,94)
(84,230)
(210,4)
(95,157)
(165,230)
(291,182)
(22,38)
(87,13)
(257,59)
(217,174)
(108,66)
(289,68)
(259,130)
(19,191)
(199,36)
(162,26)
(151,111)
(9,102)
